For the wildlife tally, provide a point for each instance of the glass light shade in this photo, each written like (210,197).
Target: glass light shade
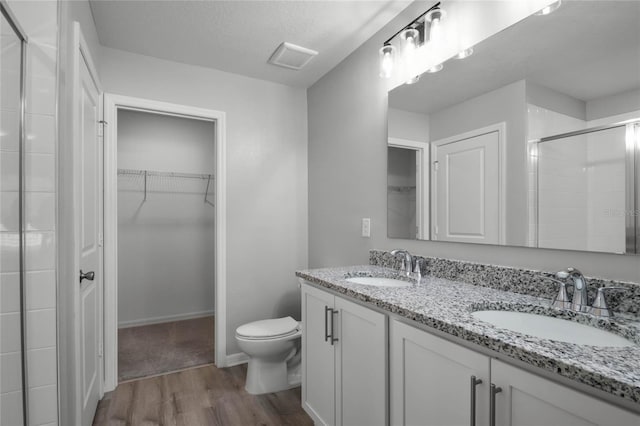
(435,68)
(387,59)
(409,38)
(550,8)
(413,80)
(465,53)
(434,18)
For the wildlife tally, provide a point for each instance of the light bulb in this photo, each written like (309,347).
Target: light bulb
(465,53)
(550,8)
(413,80)
(435,68)
(387,59)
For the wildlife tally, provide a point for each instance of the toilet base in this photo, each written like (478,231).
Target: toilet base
(264,376)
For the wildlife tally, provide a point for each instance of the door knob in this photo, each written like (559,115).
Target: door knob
(87,275)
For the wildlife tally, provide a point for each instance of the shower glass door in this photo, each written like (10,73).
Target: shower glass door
(12,320)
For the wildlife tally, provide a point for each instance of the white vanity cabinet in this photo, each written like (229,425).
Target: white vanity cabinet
(527,399)
(344,361)
(431,384)
(431,380)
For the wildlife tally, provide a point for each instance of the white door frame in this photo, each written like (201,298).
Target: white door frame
(68,339)
(501,129)
(112,104)
(422,182)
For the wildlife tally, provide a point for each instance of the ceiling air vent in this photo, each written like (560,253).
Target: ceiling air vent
(290,56)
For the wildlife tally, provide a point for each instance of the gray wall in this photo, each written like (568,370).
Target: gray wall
(266,174)
(613,105)
(347,179)
(166,243)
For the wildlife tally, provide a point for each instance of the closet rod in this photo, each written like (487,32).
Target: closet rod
(150,173)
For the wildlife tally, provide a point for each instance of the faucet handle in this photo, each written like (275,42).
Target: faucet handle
(561,301)
(600,308)
(417,268)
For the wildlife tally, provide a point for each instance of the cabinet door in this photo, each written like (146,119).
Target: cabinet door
(318,363)
(431,380)
(361,365)
(527,399)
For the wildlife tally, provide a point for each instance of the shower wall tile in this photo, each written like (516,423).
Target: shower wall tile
(40,211)
(41,84)
(40,172)
(9,211)
(42,367)
(9,333)
(9,292)
(11,413)
(40,132)
(37,21)
(44,399)
(41,288)
(40,251)
(9,258)
(41,329)
(9,130)
(9,171)
(11,372)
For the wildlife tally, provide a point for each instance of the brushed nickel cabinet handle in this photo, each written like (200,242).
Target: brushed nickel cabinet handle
(492,404)
(333,339)
(327,335)
(473,383)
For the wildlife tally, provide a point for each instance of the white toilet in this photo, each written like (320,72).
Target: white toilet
(273,347)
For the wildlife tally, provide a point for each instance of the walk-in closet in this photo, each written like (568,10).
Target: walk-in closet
(166,242)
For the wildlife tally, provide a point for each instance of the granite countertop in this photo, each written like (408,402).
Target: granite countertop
(447,306)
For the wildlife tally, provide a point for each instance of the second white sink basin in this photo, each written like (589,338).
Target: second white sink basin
(379,281)
(552,328)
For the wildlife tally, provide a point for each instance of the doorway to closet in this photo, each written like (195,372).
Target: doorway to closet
(163,238)
(166,243)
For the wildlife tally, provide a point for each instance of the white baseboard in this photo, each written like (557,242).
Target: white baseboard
(168,318)
(236,359)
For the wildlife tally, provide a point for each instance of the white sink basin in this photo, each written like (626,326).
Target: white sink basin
(379,282)
(552,328)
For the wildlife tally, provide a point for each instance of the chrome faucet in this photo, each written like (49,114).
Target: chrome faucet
(407,260)
(580,302)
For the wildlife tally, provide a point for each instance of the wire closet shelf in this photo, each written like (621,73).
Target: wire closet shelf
(148,181)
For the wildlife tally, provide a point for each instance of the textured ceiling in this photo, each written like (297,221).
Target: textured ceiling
(239,36)
(585,49)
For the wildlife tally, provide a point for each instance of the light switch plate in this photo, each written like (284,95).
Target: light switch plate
(366,227)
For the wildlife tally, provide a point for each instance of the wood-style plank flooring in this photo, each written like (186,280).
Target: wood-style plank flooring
(203,396)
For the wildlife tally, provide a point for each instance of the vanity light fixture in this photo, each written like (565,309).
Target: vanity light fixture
(465,53)
(550,8)
(408,39)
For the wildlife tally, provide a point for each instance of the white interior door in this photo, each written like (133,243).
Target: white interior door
(89,172)
(466,188)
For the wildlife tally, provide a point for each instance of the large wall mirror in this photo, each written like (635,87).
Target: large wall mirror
(534,140)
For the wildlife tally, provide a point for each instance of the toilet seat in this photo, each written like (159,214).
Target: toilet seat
(268,329)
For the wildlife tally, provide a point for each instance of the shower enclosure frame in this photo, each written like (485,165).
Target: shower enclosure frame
(22,36)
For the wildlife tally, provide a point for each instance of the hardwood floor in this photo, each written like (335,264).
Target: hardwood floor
(203,396)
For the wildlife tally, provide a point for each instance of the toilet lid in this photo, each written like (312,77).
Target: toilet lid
(268,328)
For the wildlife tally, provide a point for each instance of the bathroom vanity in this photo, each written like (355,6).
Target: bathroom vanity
(415,355)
